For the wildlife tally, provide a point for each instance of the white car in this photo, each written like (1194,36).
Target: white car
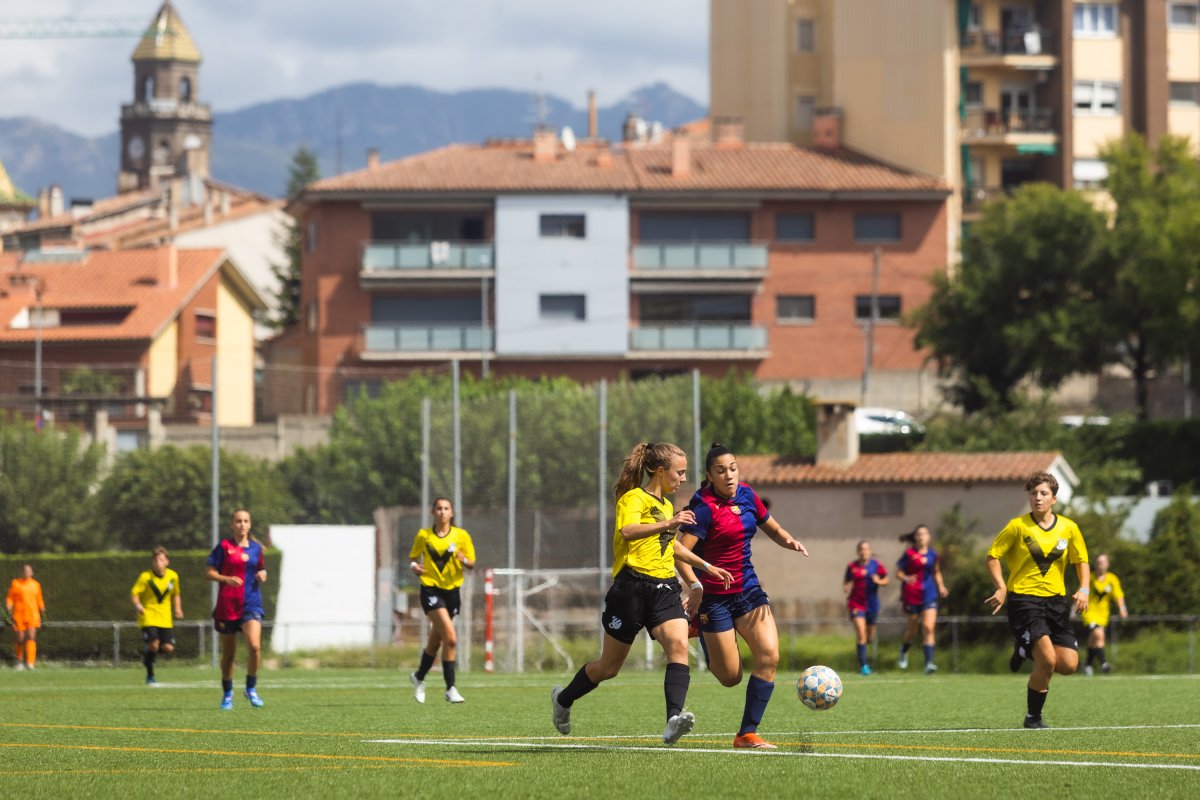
(885,420)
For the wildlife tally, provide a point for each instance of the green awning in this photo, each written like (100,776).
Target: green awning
(1038,149)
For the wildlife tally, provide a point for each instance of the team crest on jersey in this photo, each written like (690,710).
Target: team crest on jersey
(704,619)
(245,556)
(615,623)
(736,509)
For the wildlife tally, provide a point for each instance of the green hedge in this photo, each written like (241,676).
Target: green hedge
(95,587)
(1165,450)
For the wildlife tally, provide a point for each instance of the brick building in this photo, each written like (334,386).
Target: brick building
(549,258)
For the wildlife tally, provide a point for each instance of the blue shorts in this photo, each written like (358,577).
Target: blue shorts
(911,609)
(718,611)
(231,626)
(868,614)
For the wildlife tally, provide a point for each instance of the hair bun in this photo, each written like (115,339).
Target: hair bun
(715,445)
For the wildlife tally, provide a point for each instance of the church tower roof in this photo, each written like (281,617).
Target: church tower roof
(167,39)
(11,195)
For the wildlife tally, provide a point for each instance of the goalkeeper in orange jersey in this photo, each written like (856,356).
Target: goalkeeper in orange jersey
(26,607)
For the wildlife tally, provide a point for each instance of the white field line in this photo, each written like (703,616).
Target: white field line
(780,753)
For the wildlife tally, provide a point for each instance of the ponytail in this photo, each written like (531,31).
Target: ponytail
(911,536)
(645,457)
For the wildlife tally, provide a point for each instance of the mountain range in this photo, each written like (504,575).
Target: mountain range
(253,146)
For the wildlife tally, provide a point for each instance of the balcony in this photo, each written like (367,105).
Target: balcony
(696,256)
(1032,49)
(1030,130)
(383,341)
(715,339)
(386,263)
(976,197)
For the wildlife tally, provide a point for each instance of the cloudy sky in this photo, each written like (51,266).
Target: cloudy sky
(263,49)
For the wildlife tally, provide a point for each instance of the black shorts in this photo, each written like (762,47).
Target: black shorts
(433,598)
(226,627)
(163,635)
(636,601)
(1032,617)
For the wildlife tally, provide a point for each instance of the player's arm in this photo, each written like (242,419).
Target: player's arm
(781,537)
(695,591)
(416,555)
(937,576)
(881,577)
(1084,572)
(996,573)
(644,530)
(682,554)
(847,583)
(465,553)
(216,577)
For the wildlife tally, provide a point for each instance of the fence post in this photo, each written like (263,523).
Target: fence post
(1191,645)
(954,645)
(116,644)
(200,636)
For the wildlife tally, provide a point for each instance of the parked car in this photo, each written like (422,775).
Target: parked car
(1079,420)
(885,420)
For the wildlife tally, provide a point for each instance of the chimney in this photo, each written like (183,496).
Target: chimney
(43,203)
(56,201)
(372,158)
(729,133)
(837,435)
(545,145)
(827,128)
(169,277)
(629,129)
(593,126)
(681,156)
(174,199)
(604,159)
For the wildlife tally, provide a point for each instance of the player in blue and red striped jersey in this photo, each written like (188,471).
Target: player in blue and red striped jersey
(237,565)
(728,514)
(921,586)
(861,585)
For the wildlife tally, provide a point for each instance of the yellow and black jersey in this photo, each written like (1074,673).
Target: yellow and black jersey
(1105,589)
(653,555)
(156,596)
(1037,558)
(443,570)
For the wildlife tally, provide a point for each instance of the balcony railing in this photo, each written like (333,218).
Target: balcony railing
(999,43)
(699,337)
(984,122)
(379,338)
(696,255)
(976,197)
(381,256)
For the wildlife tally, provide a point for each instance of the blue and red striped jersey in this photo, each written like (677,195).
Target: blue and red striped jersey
(229,558)
(920,565)
(725,528)
(864,594)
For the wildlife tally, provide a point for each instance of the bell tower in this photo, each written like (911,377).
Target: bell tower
(166,133)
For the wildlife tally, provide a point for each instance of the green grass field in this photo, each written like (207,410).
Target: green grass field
(101,733)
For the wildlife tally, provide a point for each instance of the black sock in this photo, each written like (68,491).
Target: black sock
(580,685)
(251,682)
(148,660)
(1093,655)
(1100,656)
(675,687)
(448,672)
(227,686)
(426,663)
(1035,700)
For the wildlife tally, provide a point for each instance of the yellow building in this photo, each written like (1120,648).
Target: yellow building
(984,94)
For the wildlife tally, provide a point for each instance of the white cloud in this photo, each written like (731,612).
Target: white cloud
(267,49)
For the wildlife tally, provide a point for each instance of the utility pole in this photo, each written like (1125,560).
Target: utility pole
(869,357)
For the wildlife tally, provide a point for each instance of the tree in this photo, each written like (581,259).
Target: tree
(46,481)
(303,171)
(1149,286)
(1021,304)
(162,497)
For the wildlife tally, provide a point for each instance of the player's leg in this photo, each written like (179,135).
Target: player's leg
(672,635)
(1066,660)
(19,648)
(150,649)
(252,630)
(724,660)
(31,647)
(859,620)
(613,653)
(929,636)
(228,651)
(442,624)
(1045,659)
(762,636)
(910,633)
(1096,648)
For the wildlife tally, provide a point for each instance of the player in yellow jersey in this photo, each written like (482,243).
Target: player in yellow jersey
(439,555)
(1106,587)
(644,592)
(27,611)
(1036,548)
(154,593)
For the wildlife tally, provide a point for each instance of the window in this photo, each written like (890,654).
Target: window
(1098,20)
(889,306)
(973,97)
(563,307)
(1185,94)
(670,228)
(794,227)
(806,109)
(185,89)
(795,308)
(806,36)
(1089,173)
(313,317)
(206,325)
(1184,15)
(1102,98)
(974,18)
(563,226)
(876,227)
(688,308)
(883,504)
(314,235)
(418,228)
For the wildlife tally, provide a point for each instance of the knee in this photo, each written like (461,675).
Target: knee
(154,646)
(450,641)
(767,660)
(730,680)
(253,649)
(168,648)
(604,672)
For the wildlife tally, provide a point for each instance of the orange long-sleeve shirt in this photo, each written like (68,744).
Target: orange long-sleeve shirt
(25,602)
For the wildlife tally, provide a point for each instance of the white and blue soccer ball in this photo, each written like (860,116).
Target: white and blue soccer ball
(819,688)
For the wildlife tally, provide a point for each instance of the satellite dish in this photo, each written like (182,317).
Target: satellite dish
(568,139)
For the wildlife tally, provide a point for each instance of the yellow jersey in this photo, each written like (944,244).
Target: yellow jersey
(651,555)
(156,595)
(1104,590)
(1037,558)
(443,570)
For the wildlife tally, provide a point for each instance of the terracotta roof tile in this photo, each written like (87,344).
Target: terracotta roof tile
(510,167)
(109,206)
(113,279)
(891,468)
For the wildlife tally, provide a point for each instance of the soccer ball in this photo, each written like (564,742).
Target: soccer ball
(819,688)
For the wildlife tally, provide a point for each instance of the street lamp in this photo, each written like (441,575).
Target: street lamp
(37,352)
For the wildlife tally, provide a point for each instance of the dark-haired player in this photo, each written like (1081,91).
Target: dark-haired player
(238,566)
(861,584)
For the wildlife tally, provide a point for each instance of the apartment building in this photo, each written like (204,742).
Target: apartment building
(587,260)
(982,94)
